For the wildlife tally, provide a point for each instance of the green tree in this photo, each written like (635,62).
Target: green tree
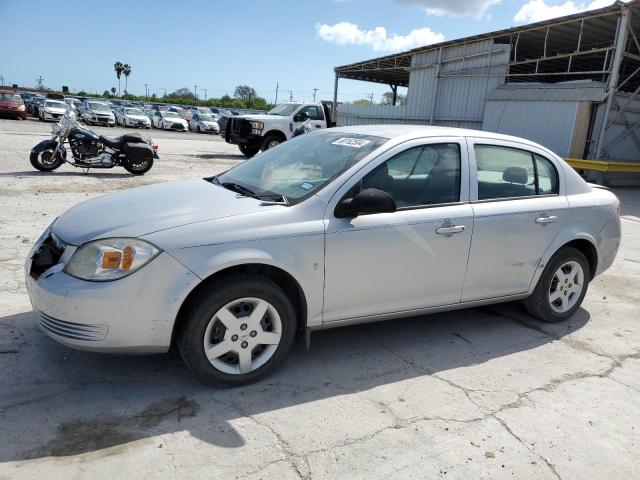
(387,99)
(113,90)
(118,67)
(362,101)
(182,93)
(126,70)
(245,93)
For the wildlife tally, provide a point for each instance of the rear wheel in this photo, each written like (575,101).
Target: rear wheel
(138,167)
(44,161)
(237,330)
(248,150)
(561,287)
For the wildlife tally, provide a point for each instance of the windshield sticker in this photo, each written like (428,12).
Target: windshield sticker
(306,186)
(351,142)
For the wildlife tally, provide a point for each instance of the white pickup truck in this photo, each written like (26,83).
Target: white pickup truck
(253,133)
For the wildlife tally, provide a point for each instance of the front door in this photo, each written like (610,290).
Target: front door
(406,260)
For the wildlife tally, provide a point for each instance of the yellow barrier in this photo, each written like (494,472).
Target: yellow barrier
(602,166)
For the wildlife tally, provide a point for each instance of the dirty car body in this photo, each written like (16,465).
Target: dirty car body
(337,227)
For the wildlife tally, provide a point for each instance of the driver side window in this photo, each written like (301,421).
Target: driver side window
(419,176)
(313,111)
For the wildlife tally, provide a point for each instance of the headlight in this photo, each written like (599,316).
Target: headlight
(110,259)
(257,125)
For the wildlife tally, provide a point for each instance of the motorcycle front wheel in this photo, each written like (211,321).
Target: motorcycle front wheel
(44,162)
(139,167)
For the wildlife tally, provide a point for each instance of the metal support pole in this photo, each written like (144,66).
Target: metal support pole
(335,99)
(620,43)
(434,95)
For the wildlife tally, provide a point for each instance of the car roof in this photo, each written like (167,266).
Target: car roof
(391,131)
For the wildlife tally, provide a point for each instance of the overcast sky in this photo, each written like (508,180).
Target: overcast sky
(220,44)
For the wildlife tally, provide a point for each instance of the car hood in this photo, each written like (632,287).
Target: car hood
(209,124)
(143,210)
(175,119)
(4,104)
(264,117)
(138,117)
(100,112)
(55,109)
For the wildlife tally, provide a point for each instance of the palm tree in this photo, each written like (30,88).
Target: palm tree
(118,67)
(126,69)
(113,90)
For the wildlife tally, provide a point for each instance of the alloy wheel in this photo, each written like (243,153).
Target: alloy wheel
(243,335)
(566,287)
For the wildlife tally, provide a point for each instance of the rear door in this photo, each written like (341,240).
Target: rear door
(519,207)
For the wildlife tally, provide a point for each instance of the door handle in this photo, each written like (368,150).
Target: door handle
(318,125)
(546,219)
(448,230)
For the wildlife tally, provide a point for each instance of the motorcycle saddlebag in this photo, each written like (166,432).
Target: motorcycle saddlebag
(137,152)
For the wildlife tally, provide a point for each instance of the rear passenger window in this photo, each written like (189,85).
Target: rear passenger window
(505,172)
(547,176)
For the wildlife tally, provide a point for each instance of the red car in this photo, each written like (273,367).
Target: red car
(11,105)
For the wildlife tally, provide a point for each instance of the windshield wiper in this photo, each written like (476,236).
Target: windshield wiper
(242,190)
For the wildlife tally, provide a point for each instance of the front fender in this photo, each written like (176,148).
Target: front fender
(49,145)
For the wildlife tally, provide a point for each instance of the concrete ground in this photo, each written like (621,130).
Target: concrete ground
(481,393)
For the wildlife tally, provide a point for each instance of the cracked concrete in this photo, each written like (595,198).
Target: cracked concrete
(481,393)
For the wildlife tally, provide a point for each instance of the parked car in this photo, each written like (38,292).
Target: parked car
(204,123)
(184,113)
(52,110)
(222,123)
(12,105)
(97,113)
(132,117)
(169,121)
(34,105)
(340,226)
(74,103)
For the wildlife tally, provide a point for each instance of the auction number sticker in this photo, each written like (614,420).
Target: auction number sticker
(352,142)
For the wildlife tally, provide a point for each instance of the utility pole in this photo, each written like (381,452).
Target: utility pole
(371,97)
(165,92)
(277,93)
(290,95)
(314,94)
(1,80)
(40,83)
(205,94)
(146,91)
(195,93)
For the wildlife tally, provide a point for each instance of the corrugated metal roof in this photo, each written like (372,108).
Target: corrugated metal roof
(544,92)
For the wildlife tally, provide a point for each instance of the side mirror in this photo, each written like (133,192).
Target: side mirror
(366,202)
(301,117)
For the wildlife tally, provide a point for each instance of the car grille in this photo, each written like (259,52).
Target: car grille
(74,331)
(177,126)
(47,255)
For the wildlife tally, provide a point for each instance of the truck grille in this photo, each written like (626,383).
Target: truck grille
(74,331)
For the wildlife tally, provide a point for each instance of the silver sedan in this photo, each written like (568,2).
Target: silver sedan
(341,226)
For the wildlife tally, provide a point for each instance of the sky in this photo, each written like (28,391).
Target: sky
(218,45)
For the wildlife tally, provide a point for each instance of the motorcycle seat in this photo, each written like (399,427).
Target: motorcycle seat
(118,142)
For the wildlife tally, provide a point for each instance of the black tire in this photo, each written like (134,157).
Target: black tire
(539,305)
(271,141)
(247,150)
(138,169)
(202,307)
(42,164)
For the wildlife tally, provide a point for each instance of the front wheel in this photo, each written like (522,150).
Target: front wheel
(561,287)
(271,141)
(248,150)
(236,330)
(137,167)
(44,161)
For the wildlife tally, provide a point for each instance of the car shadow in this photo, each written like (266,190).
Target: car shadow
(61,402)
(76,173)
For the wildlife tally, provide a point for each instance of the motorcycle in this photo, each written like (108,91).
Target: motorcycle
(90,150)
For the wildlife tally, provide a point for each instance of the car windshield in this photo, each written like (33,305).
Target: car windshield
(285,109)
(55,104)
(302,165)
(133,111)
(205,118)
(10,97)
(170,115)
(99,107)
